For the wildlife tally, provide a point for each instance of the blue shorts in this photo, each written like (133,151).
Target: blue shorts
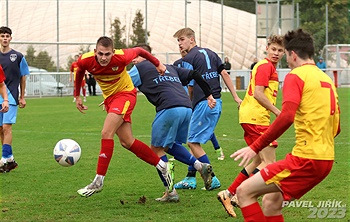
(170,125)
(10,116)
(203,121)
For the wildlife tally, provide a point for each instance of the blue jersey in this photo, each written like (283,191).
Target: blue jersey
(163,92)
(207,63)
(15,66)
(178,63)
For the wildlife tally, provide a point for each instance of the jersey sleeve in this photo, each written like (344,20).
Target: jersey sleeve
(292,89)
(2,75)
(24,69)
(135,76)
(262,75)
(80,74)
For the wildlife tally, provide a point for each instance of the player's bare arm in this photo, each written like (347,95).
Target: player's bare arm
(264,101)
(22,86)
(227,79)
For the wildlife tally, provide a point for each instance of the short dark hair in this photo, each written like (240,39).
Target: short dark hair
(300,42)
(105,42)
(145,47)
(4,29)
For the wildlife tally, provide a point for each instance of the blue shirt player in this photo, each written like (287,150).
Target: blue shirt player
(15,68)
(203,120)
(173,113)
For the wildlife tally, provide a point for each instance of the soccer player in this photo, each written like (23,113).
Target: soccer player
(173,107)
(16,69)
(72,73)
(204,119)
(189,89)
(254,115)
(108,66)
(310,101)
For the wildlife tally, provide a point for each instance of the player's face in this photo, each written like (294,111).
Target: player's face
(275,52)
(5,39)
(103,54)
(291,58)
(184,43)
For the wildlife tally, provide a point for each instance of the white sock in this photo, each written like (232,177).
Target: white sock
(3,160)
(99,177)
(162,166)
(197,165)
(10,159)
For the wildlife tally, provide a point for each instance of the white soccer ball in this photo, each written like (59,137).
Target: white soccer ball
(67,152)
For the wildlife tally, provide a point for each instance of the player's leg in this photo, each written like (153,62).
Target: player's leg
(112,122)
(7,162)
(170,194)
(272,207)
(202,125)
(247,194)
(218,150)
(74,91)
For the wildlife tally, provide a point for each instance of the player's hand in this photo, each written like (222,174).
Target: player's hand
(103,105)
(211,101)
(161,69)
(239,102)
(22,103)
(5,106)
(246,153)
(79,105)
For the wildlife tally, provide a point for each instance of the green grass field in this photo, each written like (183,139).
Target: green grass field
(42,190)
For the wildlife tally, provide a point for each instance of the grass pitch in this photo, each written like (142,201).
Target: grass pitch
(42,190)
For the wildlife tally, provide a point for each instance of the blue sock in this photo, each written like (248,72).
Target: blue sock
(6,151)
(181,154)
(204,159)
(165,159)
(214,141)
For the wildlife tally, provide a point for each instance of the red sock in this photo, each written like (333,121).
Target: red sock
(239,179)
(106,152)
(278,218)
(143,152)
(253,213)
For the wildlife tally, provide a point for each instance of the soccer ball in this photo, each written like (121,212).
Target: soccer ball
(67,152)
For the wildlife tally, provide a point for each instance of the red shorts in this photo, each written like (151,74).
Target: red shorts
(253,132)
(295,176)
(122,103)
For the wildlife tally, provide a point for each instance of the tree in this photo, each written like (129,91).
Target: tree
(43,60)
(313,20)
(138,30)
(116,32)
(82,49)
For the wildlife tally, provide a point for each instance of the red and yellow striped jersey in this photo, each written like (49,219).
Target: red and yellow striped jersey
(316,121)
(112,78)
(251,111)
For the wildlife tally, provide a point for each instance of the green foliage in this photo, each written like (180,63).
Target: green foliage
(116,32)
(312,16)
(43,60)
(138,30)
(82,49)
(41,190)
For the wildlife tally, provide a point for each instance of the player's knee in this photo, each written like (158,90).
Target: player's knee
(242,193)
(272,204)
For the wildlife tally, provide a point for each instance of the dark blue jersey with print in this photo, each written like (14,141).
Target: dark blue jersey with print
(207,63)
(15,66)
(163,92)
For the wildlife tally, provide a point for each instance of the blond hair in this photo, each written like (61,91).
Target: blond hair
(188,32)
(278,39)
